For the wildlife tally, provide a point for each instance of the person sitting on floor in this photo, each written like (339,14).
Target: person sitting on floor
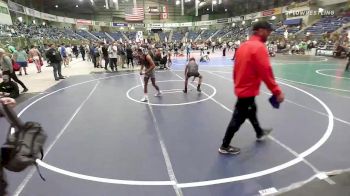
(205,58)
(8,88)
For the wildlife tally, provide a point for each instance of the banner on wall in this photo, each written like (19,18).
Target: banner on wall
(137,25)
(69,20)
(32,12)
(237,19)
(48,17)
(15,7)
(205,23)
(156,25)
(171,24)
(84,22)
(5,17)
(164,15)
(101,23)
(271,12)
(252,16)
(60,19)
(118,24)
(223,20)
(186,24)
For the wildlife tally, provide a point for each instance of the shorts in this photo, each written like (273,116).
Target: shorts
(196,75)
(23,64)
(36,58)
(151,74)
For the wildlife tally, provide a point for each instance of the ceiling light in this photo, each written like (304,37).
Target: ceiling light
(225,10)
(207,9)
(177,2)
(76,5)
(80,0)
(56,6)
(243,22)
(273,17)
(44,23)
(34,22)
(201,3)
(214,2)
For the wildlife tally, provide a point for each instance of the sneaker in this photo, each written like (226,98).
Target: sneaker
(145,99)
(199,90)
(158,94)
(62,77)
(266,132)
(229,150)
(25,90)
(185,91)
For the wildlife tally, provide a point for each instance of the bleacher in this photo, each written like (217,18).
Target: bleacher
(177,36)
(206,34)
(222,32)
(162,36)
(192,35)
(71,34)
(131,35)
(102,36)
(86,35)
(117,35)
(327,24)
(292,29)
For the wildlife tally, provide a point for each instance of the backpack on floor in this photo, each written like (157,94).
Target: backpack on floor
(24,143)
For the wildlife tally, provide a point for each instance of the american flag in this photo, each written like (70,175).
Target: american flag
(134,14)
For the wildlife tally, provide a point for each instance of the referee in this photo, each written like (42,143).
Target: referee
(252,66)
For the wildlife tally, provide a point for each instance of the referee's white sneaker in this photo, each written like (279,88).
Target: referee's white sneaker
(266,133)
(144,99)
(158,94)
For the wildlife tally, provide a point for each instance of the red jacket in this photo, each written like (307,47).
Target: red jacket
(252,65)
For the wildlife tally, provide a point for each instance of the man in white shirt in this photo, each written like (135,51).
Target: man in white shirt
(113,56)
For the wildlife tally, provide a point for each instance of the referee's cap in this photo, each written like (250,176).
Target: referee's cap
(262,25)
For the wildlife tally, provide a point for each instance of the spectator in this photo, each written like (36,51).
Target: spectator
(20,57)
(36,56)
(7,69)
(82,51)
(8,88)
(55,60)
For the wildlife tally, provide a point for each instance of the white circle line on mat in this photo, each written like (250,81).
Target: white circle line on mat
(277,168)
(170,104)
(319,71)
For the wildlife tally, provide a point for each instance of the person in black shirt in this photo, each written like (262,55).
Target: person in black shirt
(55,59)
(82,51)
(348,64)
(8,88)
(105,55)
(129,56)
(75,51)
